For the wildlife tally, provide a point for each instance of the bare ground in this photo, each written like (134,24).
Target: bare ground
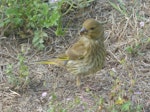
(126,74)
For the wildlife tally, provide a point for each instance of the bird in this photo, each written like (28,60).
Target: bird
(87,55)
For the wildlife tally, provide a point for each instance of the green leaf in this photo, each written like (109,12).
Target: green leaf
(117,7)
(129,49)
(126,106)
(2,24)
(114,110)
(38,39)
(35,38)
(59,31)
(17,21)
(54,18)
(32,14)
(44,34)
(11,11)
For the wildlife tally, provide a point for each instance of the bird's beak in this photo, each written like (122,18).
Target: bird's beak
(83,31)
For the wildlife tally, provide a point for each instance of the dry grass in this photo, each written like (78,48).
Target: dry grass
(125,77)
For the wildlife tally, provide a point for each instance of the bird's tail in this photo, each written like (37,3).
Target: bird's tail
(60,61)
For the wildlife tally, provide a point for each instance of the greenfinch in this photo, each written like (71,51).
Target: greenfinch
(87,55)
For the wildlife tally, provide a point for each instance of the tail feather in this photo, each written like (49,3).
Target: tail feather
(55,61)
(46,62)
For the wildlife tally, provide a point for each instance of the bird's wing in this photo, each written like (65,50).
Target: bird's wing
(77,51)
(63,57)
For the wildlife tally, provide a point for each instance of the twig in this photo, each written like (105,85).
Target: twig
(15,93)
(8,55)
(113,56)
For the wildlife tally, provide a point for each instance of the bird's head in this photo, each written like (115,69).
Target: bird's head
(92,29)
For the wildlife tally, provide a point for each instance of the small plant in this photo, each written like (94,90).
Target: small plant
(137,47)
(120,7)
(23,70)
(38,39)
(53,107)
(120,101)
(133,50)
(128,107)
(29,17)
(11,78)
(19,79)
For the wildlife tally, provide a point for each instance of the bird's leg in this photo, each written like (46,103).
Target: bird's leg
(78,80)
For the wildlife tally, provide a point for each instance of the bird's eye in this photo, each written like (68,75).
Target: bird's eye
(92,28)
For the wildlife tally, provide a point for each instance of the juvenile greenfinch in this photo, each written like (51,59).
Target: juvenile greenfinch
(87,55)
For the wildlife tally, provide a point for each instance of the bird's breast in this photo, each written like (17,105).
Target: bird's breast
(92,62)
